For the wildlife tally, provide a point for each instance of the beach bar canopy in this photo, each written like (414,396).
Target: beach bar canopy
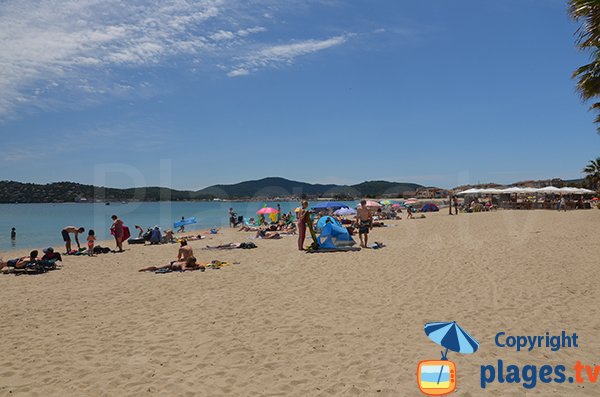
(524,190)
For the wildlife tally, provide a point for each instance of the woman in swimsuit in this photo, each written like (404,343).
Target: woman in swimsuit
(302,214)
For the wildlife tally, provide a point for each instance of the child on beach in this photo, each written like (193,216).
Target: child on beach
(409,212)
(91,238)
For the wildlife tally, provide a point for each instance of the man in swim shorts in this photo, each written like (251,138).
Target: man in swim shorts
(67,238)
(364,218)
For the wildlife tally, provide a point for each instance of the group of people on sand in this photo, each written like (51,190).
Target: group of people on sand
(47,261)
(363,221)
(116,229)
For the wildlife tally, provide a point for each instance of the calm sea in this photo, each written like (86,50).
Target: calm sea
(39,225)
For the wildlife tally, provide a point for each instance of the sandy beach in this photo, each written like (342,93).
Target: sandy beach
(286,323)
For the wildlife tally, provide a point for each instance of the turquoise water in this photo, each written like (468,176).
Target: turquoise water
(39,225)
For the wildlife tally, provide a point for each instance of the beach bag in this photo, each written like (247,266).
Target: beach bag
(248,245)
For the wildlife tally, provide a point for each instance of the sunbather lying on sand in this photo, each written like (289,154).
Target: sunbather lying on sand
(247,228)
(187,265)
(267,235)
(229,246)
(22,262)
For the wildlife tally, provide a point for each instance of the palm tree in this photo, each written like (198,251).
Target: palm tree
(592,171)
(588,38)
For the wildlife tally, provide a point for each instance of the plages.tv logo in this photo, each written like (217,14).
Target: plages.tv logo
(438,377)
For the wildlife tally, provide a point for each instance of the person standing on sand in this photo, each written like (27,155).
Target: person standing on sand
(562,204)
(455,199)
(364,218)
(91,239)
(67,238)
(117,230)
(278,212)
(302,214)
(182,227)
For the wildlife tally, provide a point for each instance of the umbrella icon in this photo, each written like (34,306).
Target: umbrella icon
(452,337)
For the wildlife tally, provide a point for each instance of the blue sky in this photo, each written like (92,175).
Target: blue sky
(188,94)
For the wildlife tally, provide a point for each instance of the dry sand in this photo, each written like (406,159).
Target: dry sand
(282,322)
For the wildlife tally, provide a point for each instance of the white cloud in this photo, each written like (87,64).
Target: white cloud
(51,50)
(274,56)
(222,35)
(238,72)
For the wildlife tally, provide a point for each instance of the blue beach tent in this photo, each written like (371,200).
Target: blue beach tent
(430,207)
(332,235)
(325,220)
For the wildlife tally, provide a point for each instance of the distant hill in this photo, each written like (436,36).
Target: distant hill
(17,192)
(273,187)
(59,192)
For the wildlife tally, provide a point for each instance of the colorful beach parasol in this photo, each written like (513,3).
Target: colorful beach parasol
(266,210)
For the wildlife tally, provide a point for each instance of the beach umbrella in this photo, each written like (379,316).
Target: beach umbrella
(549,189)
(385,202)
(469,191)
(373,204)
(489,191)
(514,189)
(266,210)
(569,190)
(330,204)
(574,190)
(411,201)
(595,199)
(345,211)
(452,337)
(396,205)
